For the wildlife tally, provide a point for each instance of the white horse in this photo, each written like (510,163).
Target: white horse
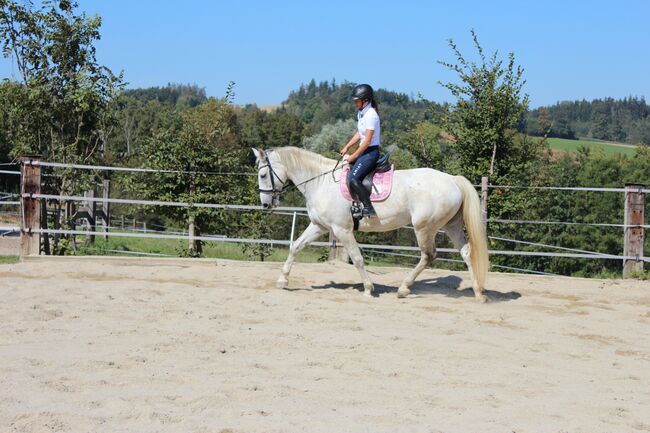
(428,199)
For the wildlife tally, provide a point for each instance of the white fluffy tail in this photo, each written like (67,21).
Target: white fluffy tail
(475,231)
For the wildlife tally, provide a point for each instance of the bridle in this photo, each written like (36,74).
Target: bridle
(273,192)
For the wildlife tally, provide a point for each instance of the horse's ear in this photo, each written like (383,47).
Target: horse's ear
(259,154)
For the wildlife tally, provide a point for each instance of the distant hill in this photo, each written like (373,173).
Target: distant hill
(318,104)
(176,95)
(620,120)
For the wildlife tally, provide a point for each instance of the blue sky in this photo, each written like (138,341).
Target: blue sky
(569,49)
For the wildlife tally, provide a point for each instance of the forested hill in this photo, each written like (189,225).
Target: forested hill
(326,102)
(625,120)
(177,95)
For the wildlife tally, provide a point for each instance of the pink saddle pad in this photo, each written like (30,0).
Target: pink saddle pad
(382,184)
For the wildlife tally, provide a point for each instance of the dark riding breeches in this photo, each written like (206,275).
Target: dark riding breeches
(362,166)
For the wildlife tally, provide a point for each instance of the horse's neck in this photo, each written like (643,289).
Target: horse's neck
(306,170)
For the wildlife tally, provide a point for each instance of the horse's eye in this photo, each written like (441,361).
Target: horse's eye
(263,176)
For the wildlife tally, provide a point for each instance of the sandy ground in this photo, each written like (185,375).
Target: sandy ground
(133,345)
(9,245)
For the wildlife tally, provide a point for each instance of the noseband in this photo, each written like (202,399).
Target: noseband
(274,192)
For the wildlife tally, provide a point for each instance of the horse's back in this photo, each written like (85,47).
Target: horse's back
(428,191)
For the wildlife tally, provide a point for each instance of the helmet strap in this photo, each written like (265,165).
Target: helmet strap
(364,104)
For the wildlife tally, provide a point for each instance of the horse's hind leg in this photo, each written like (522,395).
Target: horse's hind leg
(426,237)
(454,230)
(311,233)
(346,237)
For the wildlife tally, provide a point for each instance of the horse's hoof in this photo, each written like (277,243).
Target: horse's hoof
(403,292)
(481,298)
(368,288)
(281,283)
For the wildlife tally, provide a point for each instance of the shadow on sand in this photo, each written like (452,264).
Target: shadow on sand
(448,286)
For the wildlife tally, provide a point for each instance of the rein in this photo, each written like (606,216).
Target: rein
(275,192)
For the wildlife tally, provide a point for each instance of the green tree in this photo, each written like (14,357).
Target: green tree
(489,106)
(205,141)
(331,138)
(261,129)
(61,107)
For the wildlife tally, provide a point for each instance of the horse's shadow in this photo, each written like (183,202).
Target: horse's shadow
(448,286)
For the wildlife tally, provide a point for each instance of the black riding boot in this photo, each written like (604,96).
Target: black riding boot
(363,196)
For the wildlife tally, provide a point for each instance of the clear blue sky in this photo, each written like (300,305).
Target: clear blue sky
(570,49)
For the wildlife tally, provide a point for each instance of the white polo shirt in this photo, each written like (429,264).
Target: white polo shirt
(369,119)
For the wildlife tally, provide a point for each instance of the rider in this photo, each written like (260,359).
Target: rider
(366,156)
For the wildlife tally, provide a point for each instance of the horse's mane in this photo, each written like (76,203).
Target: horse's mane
(295,157)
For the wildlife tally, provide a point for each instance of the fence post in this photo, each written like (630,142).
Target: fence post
(91,217)
(293,230)
(192,244)
(337,251)
(484,201)
(106,210)
(633,222)
(30,183)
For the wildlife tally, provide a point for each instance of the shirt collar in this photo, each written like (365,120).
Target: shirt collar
(365,109)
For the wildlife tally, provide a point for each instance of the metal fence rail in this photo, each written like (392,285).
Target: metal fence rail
(214,238)
(33,167)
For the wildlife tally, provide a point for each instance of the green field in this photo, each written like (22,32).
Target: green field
(221,250)
(596,146)
(7,260)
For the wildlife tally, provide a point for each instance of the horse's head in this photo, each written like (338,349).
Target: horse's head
(271,177)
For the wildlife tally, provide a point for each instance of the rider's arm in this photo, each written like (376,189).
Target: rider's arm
(363,146)
(355,138)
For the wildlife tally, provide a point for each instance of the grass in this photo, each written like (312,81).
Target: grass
(177,248)
(8,260)
(217,250)
(609,148)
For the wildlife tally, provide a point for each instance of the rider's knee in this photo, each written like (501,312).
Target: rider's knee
(354,182)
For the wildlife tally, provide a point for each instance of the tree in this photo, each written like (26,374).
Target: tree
(426,142)
(489,106)
(204,144)
(61,108)
(331,138)
(261,129)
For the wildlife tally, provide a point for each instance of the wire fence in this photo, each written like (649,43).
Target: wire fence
(167,233)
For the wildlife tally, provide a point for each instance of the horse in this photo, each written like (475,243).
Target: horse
(428,199)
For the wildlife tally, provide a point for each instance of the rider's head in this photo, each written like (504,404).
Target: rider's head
(363,94)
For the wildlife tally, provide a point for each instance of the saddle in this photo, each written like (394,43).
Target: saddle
(383,165)
(378,181)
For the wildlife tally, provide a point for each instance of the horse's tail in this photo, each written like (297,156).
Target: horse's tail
(478,249)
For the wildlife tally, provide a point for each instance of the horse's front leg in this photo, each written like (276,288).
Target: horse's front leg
(311,233)
(346,237)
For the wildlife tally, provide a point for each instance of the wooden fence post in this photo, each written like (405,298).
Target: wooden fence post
(633,243)
(484,201)
(30,183)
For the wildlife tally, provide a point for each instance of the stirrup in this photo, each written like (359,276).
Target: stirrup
(368,212)
(356,210)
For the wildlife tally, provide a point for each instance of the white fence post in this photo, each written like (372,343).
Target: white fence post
(293,229)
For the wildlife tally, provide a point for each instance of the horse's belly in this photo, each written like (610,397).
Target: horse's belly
(385,223)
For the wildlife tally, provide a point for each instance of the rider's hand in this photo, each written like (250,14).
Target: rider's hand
(343,151)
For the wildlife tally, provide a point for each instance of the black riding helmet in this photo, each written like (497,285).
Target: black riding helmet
(363,92)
